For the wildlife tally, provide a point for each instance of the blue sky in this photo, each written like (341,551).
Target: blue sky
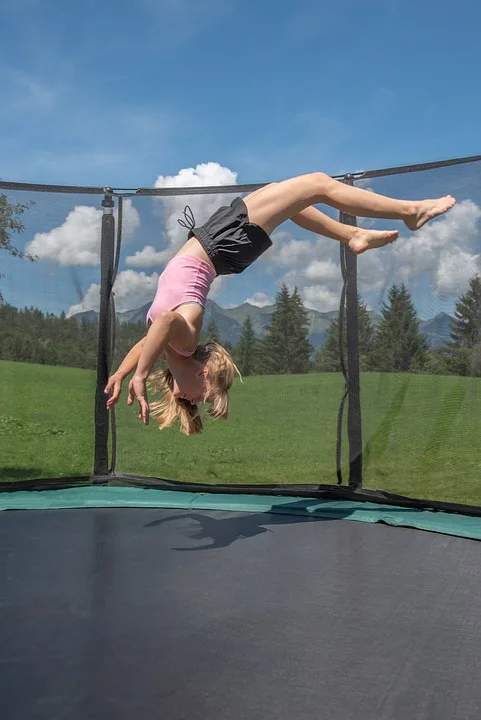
(120,93)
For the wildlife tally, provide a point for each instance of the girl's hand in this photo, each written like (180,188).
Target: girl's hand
(114,386)
(137,390)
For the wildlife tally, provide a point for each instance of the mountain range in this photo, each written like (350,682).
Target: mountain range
(229,322)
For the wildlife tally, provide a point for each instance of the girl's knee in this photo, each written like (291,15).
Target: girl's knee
(322,181)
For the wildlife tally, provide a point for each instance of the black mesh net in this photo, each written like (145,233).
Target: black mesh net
(419,340)
(48,346)
(282,419)
(420,359)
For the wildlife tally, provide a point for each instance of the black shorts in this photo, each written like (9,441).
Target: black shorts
(230,240)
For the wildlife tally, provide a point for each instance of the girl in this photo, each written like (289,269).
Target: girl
(229,242)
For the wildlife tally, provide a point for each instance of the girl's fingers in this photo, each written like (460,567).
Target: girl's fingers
(113,384)
(138,393)
(114,388)
(145,412)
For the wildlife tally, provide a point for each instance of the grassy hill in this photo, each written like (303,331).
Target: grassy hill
(420,433)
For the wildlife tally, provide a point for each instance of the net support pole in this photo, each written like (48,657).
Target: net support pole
(354,427)
(107,256)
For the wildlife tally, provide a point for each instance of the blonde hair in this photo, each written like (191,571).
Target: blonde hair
(221,370)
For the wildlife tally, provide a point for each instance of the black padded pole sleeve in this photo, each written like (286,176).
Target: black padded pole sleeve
(107,254)
(340,414)
(113,422)
(354,425)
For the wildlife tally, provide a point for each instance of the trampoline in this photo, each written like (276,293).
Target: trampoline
(218,578)
(160,612)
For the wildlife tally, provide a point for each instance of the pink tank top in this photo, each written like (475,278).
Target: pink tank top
(185,279)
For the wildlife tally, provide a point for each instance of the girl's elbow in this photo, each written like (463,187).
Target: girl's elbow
(164,318)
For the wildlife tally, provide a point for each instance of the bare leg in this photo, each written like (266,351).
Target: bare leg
(358,239)
(272,205)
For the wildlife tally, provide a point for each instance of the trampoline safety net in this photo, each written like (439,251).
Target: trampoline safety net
(358,372)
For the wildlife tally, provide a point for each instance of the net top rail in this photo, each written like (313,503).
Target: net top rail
(214,189)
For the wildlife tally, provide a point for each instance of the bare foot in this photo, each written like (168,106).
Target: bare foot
(427,210)
(363,240)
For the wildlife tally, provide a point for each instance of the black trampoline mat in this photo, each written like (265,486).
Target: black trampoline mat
(174,614)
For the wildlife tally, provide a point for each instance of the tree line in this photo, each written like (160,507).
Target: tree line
(395,344)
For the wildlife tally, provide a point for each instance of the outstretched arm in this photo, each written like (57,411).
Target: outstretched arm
(155,341)
(142,360)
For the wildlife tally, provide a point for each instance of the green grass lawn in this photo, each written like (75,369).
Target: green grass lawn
(46,421)
(421,434)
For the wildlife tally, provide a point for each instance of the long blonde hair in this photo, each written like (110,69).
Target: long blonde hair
(221,370)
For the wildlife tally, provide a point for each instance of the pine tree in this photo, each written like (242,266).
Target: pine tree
(273,356)
(399,346)
(285,348)
(246,349)
(462,352)
(366,335)
(301,349)
(327,357)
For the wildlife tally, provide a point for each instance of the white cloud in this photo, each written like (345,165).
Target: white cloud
(319,297)
(444,248)
(132,290)
(311,267)
(130,221)
(202,206)
(372,271)
(219,285)
(90,301)
(259,299)
(77,240)
(171,209)
(314,268)
(148,257)
(366,223)
(323,270)
(454,271)
(286,251)
(319,284)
